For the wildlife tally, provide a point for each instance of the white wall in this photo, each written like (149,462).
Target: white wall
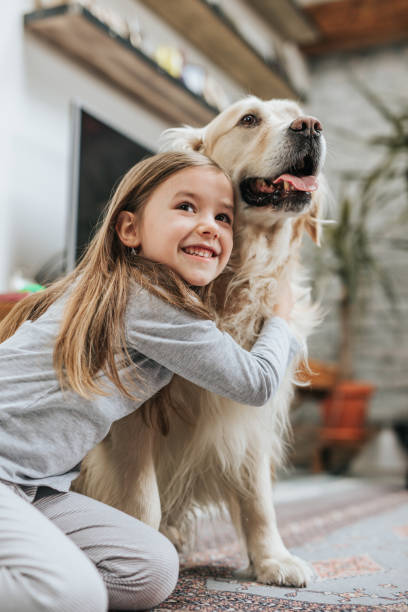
(37,85)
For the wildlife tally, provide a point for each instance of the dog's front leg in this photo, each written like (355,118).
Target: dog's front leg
(120,470)
(132,451)
(270,561)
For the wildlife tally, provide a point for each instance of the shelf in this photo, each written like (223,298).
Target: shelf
(76,32)
(210,31)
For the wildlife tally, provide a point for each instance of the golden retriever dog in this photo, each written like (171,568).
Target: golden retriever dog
(218,452)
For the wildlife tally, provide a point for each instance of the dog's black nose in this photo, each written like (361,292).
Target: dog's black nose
(308,126)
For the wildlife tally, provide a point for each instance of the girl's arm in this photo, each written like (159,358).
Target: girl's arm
(197,350)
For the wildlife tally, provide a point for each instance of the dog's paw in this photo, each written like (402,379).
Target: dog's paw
(287,570)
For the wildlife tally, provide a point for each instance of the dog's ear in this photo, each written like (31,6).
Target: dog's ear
(312,225)
(182,139)
(321,206)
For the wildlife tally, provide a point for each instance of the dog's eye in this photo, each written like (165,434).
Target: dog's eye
(249,120)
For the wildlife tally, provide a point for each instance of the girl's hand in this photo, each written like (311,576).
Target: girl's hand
(285,296)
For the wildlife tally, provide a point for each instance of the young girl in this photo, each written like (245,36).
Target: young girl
(92,348)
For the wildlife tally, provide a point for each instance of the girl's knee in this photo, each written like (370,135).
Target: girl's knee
(163,573)
(144,582)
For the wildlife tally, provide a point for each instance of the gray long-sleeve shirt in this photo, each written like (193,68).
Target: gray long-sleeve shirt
(45,433)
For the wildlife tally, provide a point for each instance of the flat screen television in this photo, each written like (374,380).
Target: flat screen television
(100,156)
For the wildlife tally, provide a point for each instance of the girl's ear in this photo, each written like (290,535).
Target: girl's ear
(127,228)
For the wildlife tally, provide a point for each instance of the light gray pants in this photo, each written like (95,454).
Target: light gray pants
(66,552)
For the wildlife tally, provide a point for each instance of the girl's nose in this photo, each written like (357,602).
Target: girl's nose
(208,228)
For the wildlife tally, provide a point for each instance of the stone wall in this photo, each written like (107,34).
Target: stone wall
(381,336)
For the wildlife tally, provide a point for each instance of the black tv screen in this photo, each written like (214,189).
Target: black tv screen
(101,155)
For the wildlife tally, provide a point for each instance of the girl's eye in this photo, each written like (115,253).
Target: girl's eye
(186,206)
(224,218)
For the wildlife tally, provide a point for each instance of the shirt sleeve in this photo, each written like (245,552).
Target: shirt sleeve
(197,350)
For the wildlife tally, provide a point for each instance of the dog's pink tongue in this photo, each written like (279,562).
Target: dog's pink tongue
(301,183)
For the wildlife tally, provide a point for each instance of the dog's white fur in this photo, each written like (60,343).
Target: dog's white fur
(217,451)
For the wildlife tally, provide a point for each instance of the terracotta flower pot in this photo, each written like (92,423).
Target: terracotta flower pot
(344,410)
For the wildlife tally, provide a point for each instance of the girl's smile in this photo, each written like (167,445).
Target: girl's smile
(186,224)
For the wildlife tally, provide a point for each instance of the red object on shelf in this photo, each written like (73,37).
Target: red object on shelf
(13,297)
(8,300)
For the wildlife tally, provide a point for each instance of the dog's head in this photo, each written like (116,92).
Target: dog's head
(274,154)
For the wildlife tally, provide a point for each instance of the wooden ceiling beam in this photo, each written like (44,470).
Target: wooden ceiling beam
(357,24)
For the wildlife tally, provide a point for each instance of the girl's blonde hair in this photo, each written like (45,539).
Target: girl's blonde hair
(92,332)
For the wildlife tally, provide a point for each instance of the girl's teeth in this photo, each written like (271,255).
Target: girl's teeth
(200,252)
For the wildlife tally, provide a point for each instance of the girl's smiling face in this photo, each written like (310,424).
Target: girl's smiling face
(187,224)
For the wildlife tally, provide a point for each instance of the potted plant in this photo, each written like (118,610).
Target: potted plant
(348,254)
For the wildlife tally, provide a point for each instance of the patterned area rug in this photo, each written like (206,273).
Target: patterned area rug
(353,533)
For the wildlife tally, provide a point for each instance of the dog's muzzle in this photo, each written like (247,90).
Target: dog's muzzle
(290,189)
